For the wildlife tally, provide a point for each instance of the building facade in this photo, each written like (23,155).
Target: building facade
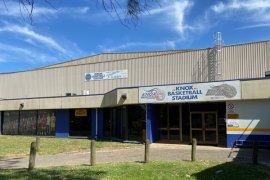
(161,95)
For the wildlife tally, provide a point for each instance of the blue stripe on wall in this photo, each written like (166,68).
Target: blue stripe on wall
(100,124)
(62,124)
(93,124)
(154,124)
(232,138)
(149,122)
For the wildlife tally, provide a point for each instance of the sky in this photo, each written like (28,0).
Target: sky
(66,30)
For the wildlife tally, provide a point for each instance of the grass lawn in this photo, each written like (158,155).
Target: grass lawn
(20,145)
(154,170)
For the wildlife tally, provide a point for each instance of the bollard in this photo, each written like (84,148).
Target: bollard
(193,150)
(255,152)
(93,153)
(146,151)
(32,158)
(38,143)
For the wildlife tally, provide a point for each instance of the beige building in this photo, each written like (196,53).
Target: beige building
(218,95)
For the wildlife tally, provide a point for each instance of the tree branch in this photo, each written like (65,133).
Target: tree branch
(131,13)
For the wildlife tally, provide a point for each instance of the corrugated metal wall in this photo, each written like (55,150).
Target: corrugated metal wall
(112,56)
(245,61)
(238,61)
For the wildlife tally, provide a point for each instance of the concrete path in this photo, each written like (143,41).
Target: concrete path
(157,152)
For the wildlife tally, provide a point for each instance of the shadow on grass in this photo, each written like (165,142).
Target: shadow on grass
(140,162)
(53,173)
(9,162)
(232,170)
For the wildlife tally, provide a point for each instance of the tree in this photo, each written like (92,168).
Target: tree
(133,10)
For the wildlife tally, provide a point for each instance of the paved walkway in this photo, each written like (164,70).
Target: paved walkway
(157,152)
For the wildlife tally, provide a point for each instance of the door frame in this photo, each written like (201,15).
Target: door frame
(204,129)
(168,128)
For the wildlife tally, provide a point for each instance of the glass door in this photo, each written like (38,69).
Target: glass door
(196,127)
(163,121)
(169,122)
(136,122)
(204,127)
(174,130)
(210,128)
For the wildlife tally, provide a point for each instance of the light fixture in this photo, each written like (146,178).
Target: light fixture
(124,96)
(21,106)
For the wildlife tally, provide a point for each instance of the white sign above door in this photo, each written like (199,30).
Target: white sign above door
(211,91)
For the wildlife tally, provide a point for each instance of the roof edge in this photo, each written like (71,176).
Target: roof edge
(107,53)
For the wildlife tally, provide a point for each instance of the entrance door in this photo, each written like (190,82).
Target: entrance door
(204,127)
(136,122)
(79,124)
(113,122)
(170,124)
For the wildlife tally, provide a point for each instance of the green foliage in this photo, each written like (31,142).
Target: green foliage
(152,170)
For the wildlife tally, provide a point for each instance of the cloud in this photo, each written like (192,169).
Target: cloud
(125,46)
(75,11)
(254,26)
(177,14)
(169,14)
(34,43)
(3,58)
(14,9)
(14,53)
(247,13)
(252,12)
(243,5)
(173,14)
(45,40)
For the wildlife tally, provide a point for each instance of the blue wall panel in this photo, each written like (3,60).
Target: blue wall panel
(232,138)
(154,124)
(149,122)
(93,124)
(100,124)
(62,123)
